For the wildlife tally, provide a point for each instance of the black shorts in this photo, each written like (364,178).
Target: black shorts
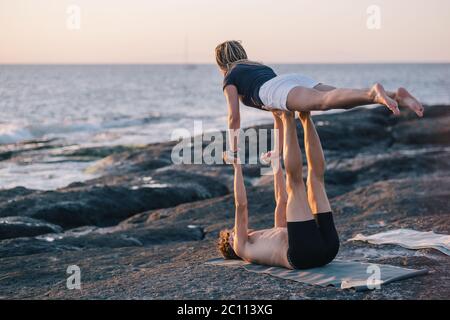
(312,243)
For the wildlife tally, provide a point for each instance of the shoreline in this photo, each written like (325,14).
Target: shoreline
(56,153)
(144,225)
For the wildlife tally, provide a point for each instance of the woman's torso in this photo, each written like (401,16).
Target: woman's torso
(248,79)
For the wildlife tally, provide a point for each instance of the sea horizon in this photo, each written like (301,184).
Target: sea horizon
(118,180)
(213,64)
(81,106)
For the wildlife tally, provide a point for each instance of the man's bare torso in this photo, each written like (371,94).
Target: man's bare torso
(268,247)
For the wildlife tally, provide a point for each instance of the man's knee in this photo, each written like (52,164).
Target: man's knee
(294,184)
(316,176)
(282,200)
(294,177)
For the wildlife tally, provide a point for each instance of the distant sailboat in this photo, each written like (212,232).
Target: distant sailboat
(187,64)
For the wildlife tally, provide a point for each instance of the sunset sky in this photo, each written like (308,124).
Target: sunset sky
(178,31)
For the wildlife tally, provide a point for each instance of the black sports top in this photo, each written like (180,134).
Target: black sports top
(248,79)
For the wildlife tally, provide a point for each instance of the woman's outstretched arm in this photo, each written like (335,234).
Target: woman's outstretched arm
(241,212)
(234,117)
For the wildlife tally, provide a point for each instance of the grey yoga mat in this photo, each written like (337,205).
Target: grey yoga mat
(341,274)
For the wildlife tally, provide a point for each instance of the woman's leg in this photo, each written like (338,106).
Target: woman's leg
(407,100)
(306,99)
(317,195)
(402,96)
(297,205)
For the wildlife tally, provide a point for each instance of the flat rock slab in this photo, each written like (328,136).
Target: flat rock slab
(144,228)
(16,227)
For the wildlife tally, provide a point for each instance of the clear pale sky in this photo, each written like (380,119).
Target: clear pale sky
(176,31)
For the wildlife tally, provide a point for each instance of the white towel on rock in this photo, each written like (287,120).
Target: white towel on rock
(410,239)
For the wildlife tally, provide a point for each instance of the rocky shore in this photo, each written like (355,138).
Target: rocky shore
(144,227)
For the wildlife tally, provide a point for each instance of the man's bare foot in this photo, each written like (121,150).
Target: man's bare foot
(287,115)
(379,95)
(277,113)
(407,100)
(304,116)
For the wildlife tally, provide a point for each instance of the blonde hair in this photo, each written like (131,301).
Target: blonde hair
(230,53)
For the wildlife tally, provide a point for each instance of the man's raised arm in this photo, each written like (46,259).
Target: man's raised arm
(241,214)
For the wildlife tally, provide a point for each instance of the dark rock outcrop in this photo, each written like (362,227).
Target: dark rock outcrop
(15,227)
(106,238)
(150,225)
(113,201)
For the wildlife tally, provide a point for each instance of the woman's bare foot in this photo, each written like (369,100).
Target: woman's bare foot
(407,100)
(379,95)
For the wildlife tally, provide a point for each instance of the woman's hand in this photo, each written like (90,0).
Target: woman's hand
(231,157)
(234,116)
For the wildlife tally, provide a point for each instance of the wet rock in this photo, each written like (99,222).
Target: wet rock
(353,130)
(427,131)
(11,194)
(97,152)
(106,238)
(15,227)
(381,175)
(9,151)
(108,205)
(151,157)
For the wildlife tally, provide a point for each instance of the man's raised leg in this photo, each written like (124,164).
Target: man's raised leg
(279,183)
(297,205)
(317,195)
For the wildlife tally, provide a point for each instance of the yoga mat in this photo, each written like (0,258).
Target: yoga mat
(410,239)
(340,274)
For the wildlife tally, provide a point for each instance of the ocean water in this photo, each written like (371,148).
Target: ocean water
(71,107)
